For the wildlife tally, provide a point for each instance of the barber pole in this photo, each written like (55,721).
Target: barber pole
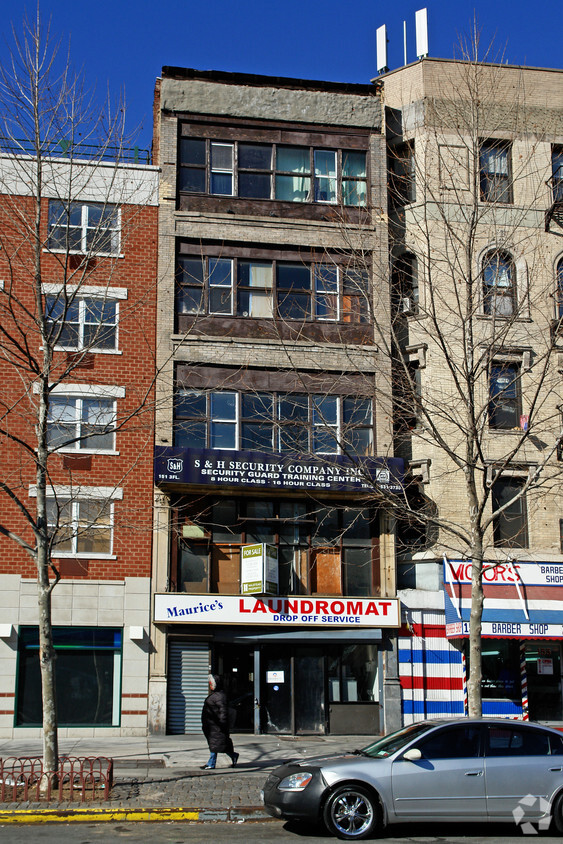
(524,682)
(465,699)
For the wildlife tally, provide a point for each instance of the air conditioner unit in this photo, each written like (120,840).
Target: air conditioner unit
(407,305)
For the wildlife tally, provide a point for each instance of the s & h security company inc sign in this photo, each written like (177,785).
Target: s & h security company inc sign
(181,608)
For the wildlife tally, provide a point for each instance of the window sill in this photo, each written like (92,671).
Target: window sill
(87,351)
(83,254)
(513,431)
(79,452)
(65,555)
(308,202)
(500,317)
(293,320)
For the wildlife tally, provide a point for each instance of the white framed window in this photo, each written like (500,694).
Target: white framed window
(220,286)
(499,284)
(81,526)
(82,417)
(75,424)
(84,227)
(327,290)
(284,422)
(222,159)
(82,322)
(81,520)
(224,420)
(326,424)
(257,170)
(325,175)
(495,171)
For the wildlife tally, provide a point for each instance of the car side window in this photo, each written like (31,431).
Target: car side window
(510,741)
(459,742)
(556,743)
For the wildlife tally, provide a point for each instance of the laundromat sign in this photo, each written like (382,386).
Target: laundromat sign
(259,470)
(292,611)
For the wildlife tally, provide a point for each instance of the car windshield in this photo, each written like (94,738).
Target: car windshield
(386,745)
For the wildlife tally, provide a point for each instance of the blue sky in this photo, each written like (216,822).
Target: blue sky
(125,44)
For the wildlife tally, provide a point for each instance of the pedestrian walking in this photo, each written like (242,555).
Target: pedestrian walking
(215,724)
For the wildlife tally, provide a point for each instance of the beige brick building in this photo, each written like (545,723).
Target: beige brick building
(475,166)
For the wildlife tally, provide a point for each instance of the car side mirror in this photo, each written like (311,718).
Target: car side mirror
(413,755)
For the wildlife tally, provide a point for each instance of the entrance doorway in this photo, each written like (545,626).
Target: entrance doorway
(543,667)
(235,664)
(293,690)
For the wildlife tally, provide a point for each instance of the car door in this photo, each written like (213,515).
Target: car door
(521,762)
(447,782)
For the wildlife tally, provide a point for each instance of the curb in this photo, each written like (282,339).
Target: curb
(36,816)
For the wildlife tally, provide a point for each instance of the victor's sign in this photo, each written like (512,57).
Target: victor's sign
(502,574)
(259,470)
(291,610)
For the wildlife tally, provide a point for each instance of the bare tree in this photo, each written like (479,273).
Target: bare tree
(67,205)
(467,332)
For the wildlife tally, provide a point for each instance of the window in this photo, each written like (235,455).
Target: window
(284,422)
(258,289)
(81,526)
(272,171)
(514,741)
(87,676)
(500,670)
(557,173)
(405,284)
(402,181)
(84,227)
(82,322)
(495,176)
(75,423)
(452,743)
(321,549)
(510,526)
(352,674)
(499,284)
(505,405)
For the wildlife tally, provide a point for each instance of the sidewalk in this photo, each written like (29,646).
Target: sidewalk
(159,777)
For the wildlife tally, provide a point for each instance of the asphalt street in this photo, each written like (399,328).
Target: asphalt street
(249,833)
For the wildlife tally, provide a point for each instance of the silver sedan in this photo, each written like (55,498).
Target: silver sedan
(462,769)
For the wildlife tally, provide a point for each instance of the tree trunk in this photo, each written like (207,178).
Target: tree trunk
(474,693)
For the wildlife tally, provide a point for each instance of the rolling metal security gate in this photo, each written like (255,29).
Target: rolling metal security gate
(188,668)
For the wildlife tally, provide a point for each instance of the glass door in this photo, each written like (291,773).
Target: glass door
(235,663)
(543,667)
(277,694)
(309,691)
(293,690)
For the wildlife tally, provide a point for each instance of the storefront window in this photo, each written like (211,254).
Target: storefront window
(325,550)
(352,674)
(501,669)
(87,673)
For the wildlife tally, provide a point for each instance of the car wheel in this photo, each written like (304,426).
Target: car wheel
(352,813)
(557,813)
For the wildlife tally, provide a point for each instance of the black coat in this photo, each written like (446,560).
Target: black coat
(215,722)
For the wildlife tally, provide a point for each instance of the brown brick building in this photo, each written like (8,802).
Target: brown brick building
(98,239)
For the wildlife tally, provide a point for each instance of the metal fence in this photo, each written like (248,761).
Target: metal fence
(66,149)
(77,779)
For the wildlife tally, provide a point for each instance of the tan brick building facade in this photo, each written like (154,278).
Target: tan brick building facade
(475,154)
